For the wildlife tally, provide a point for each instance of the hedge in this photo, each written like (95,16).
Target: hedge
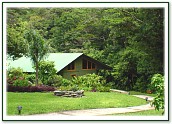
(39,88)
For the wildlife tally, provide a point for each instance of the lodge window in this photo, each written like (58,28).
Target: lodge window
(87,64)
(71,66)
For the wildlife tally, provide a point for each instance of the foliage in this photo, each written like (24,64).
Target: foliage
(54,80)
(15,73)
(21,82)
(15,31)
(33,103)
(65,88)
(36,48)
(90,81)
(38,88)
(69,88)
(140,85)
(58,80)
(107,74)
(103,89)
(131,40)
(16,77)
(158,84)
(30,77)
(125,70)
(46,70)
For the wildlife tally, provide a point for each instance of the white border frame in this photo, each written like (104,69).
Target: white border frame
(94,5)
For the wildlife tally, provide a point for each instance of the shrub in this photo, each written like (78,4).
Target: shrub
(39,88)
(65,82)
(57,81)
(66,88)
(46,70)
(86,88)
(15,73)
(74,88)
(140,86)
(31,77)
(54,80)
(89,82)
(158,84)
(16,77)
(103,89)
(21,82)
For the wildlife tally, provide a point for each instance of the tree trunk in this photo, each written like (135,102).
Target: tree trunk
(37,73)
(36,67)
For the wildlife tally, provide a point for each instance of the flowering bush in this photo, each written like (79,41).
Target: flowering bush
(15,73)
(17,78)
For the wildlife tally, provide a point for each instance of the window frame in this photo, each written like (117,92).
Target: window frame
(87,66)
(71,66)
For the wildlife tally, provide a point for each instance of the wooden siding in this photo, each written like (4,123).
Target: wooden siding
(78,69)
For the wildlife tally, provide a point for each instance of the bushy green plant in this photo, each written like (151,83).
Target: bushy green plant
(21,82)
(16,77)
(14,73)
(46,69)
(103,89)
(86,88)
(74,88)
(158,84)
(65,82)
(31,77)
(89,82)
(57,81)
(140,86)
(54,80)
(66,88)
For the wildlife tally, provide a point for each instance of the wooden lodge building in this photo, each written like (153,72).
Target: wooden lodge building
(66,64)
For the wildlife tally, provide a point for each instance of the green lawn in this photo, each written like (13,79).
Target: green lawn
(143,113)
(36,103)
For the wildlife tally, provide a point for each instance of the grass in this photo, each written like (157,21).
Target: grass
(143,113)
(37,103)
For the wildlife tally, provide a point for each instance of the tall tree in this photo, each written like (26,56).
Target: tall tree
(37,48)
(16,47)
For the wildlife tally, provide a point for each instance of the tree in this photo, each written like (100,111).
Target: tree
(16,46)
(125,71)
(36,48)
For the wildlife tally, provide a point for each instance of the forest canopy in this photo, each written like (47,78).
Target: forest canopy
(130,40)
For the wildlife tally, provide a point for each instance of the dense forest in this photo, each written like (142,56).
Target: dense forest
(130,40)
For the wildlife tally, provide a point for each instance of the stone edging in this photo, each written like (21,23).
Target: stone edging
(74,94)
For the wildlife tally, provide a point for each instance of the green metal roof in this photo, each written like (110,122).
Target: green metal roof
(61,60)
